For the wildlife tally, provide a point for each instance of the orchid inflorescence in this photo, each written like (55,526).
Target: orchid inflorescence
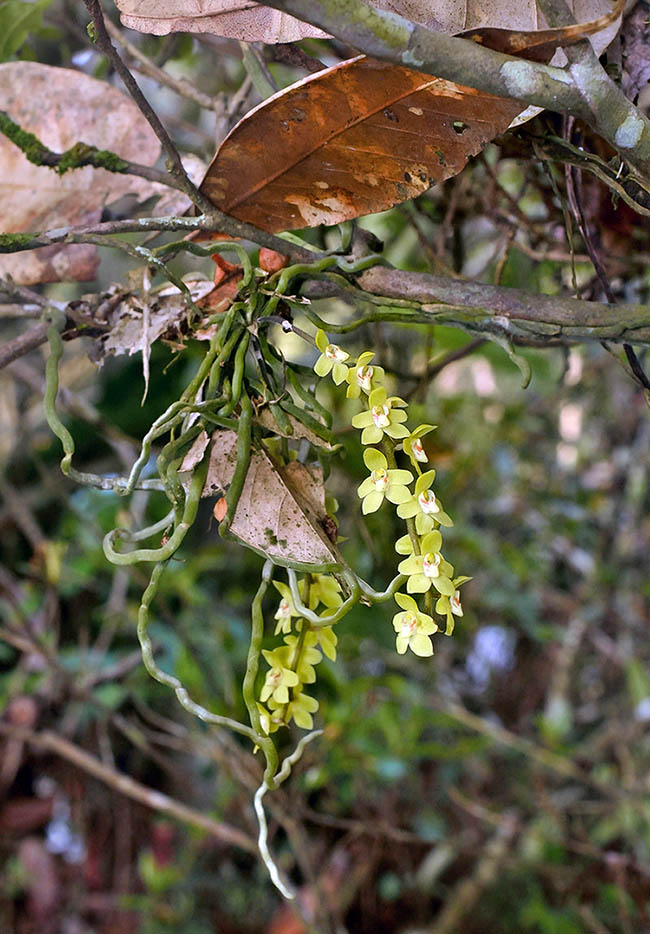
(384,421)
(429,575)
(291,665)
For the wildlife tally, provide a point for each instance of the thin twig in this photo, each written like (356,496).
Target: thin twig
(180,85)
(174,162)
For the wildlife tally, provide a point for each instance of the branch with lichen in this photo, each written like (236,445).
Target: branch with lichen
(582,89)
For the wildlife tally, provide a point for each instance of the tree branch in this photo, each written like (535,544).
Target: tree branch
(510,313)
(581,90)
(212,223)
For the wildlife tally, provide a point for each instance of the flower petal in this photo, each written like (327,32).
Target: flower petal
(444,586)
(400,476)
(407,603)
(404,545)
(302,718)
(322,340)
(364,358)
(322,366)
(418,583)
(408,510)
(432,542)
(424,481)
(423,523)
(366,487)
(281,694)
(372,502)
(371,434)
(377,397)
(339,373)
(396,431)
(362,420)
(410,565)
(421,645)
(375,460)
(398,494)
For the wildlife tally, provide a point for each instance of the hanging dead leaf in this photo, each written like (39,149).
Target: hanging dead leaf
(352,140)
(540,44)
(281,511)
(62,106)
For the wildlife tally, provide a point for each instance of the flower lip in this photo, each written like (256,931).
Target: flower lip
(427,501)
(334,352)
(430,565)
(409,624)
(285,608)
(380,416)
(418,451)
(274,676)
(455,604)
(380,479)
(364,377)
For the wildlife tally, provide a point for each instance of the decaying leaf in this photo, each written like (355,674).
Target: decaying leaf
(281,512)
(62,107)
(351,140)
(243,19)
(540,44)
(141,318)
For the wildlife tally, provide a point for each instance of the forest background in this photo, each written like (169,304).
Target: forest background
(500,785)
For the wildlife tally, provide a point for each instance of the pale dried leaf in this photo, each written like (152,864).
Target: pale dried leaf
(62,107)
(242,19)
(281,511)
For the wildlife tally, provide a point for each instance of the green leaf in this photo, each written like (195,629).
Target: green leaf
(17,21)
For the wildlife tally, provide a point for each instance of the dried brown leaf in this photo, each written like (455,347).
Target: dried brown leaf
(281,511)
(352,140)
(62,107)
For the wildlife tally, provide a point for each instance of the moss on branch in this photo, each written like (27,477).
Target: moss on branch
(76,157)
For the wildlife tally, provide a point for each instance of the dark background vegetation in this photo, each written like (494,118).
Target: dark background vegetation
(501,785)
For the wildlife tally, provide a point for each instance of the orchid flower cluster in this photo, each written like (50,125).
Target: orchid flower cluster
(291,665)
(384,422)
